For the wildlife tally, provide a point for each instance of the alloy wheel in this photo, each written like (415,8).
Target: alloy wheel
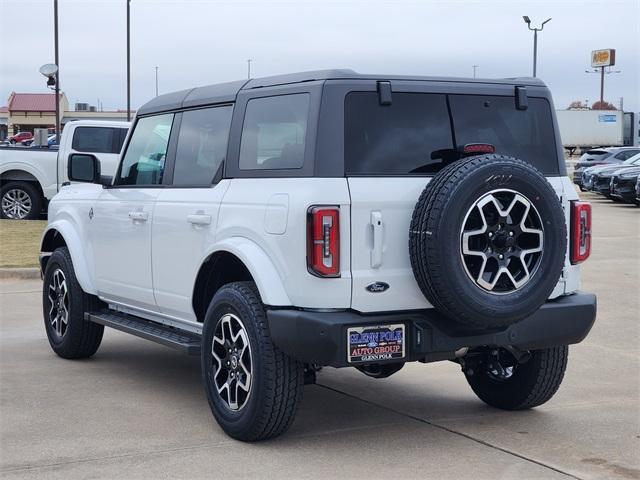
(501,241)
(58,303)
(16,204)
(232,361)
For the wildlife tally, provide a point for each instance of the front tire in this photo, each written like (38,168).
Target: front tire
(64,305)
(520,386)
(253,388)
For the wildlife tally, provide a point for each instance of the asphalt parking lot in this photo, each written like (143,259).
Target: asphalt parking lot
(138,410)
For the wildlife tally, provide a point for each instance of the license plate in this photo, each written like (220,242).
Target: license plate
(375,343)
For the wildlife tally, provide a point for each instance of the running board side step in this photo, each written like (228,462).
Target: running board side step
(187,342)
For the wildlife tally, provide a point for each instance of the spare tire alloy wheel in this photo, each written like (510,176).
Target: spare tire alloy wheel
(16,204)
(58,303)
(501,241)
(232,361)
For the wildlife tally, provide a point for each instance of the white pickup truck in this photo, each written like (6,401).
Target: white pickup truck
(30,177)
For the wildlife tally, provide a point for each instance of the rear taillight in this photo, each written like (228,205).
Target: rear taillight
(323,241)
(580,231)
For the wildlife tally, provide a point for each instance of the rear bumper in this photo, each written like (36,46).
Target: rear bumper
(321,337)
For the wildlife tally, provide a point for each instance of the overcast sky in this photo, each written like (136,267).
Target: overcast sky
(202,42)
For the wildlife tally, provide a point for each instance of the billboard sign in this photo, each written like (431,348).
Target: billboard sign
(603,58)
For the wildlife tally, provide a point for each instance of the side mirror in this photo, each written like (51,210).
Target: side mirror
(83,167)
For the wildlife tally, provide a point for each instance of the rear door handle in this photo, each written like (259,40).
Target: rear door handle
(199,219)
(378,231)
(139,216)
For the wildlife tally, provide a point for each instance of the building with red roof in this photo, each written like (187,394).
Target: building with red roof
(28,111)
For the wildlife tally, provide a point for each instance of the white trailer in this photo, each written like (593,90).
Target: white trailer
(590,128)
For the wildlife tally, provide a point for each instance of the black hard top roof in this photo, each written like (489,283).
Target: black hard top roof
(227,92)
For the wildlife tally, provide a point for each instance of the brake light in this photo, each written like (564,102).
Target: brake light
(474,148)
(323,241)
(580,231)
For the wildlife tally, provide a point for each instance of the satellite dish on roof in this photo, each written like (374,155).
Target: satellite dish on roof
(49,70)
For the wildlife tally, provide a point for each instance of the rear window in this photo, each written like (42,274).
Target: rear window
(98,139)
(414,133)
(525,134)
(397,139)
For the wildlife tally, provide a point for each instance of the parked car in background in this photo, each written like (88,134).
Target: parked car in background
(20,137)
(623,185)
(589,173)
(638,190)
(30,177)
(601,156)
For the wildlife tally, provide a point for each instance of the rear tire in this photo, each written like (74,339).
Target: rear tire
(253,388)
(20,201)
(64,305)
(531,384)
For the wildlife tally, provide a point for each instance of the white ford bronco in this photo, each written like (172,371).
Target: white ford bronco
(275,226)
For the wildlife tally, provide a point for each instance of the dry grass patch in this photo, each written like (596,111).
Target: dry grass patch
(20,242)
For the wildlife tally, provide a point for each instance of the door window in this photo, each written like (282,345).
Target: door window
(144,160)
(274,132)
(202,145)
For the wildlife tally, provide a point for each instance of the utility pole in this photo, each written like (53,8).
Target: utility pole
(156,81)
(57,60)
(527,20)
(249,69)
(474,70)
(128,63)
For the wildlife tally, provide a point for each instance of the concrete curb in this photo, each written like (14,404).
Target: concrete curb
(19,273)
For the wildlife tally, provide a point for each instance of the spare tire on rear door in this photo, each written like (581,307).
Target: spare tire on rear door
(488,240)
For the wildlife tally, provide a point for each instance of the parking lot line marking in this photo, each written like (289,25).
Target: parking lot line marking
(454,432)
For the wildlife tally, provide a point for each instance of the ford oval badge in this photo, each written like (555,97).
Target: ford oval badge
(377,287)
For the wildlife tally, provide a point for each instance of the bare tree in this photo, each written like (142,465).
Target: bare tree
(577,105)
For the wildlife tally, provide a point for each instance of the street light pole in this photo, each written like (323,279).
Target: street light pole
(474,70)
(249,69)
(527,20)
(128,64)
(156,81)
(57,60)
(602,72)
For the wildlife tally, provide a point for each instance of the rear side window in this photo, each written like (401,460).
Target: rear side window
(525,134)
(412,135)
(202,145)
(97,140)
(274,132)
(144,160)
(626,154)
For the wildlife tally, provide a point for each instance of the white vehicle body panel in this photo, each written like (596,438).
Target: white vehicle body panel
(120,232)
(183,229)
(40,164)
(243,213)
(390,202)
(253,207)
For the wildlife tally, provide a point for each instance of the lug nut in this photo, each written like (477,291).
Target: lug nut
(500,256)
(511,234)
(490,234)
